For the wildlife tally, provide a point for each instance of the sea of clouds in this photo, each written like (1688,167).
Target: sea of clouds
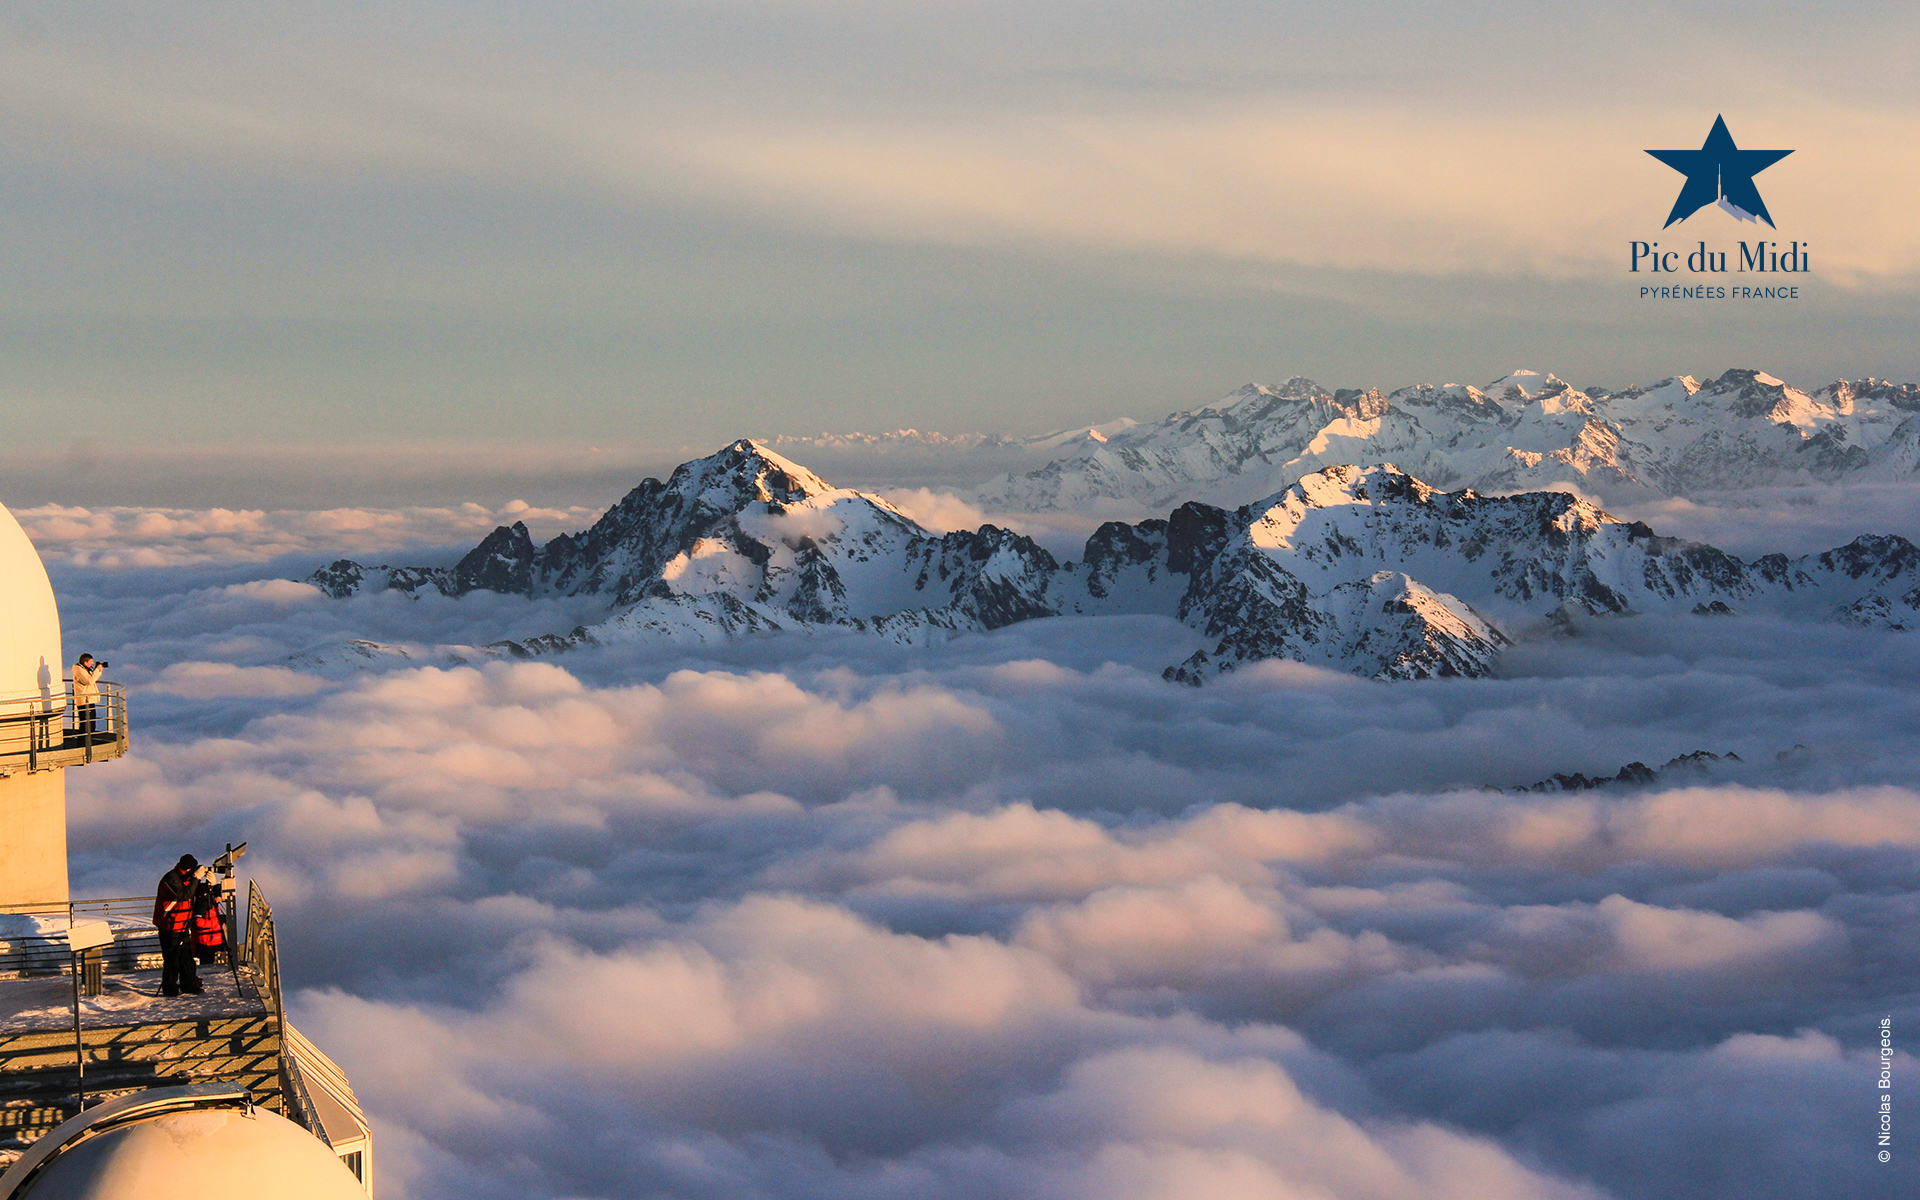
(1012,917)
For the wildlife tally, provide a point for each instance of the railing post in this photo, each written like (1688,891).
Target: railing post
(79,1043)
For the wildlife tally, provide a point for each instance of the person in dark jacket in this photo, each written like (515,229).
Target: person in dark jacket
(173,917)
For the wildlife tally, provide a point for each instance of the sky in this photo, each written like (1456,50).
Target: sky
(354,240)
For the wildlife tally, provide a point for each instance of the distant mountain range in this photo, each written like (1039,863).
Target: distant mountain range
(1524,431)
(914,441)
(1368,570)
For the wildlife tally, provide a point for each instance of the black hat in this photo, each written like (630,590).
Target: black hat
(188,863)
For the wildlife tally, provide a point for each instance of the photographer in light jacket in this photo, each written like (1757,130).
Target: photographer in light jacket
(86,695)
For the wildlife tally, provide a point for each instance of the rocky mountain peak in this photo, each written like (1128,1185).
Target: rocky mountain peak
(1297,387)
(1272,522)
(1521,387)
(742,473)
(1347,484)
(1299,399)
(1300,387)
(1755,395)
(1844,394)
(1460,402)
(1258,401)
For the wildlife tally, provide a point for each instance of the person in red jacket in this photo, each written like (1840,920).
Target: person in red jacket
(209,929)
(173,917)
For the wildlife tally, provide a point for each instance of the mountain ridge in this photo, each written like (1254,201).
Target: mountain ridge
(1369,570)
(1523,431)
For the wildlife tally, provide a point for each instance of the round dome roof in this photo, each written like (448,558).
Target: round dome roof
(30,659)
(224,1151)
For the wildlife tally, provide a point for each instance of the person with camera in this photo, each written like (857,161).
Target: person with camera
(209,927)
(173,917)
(86,695)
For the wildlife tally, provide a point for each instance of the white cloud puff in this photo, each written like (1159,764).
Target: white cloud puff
(208,681)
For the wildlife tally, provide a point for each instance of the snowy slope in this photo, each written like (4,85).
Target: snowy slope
(1522,431)
(1363,569)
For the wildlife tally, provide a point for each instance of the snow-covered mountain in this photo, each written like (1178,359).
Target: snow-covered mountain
(746,541)
(1364,569)
(1523,431)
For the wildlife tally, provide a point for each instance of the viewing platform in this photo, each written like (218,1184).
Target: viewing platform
(39,732)
(108,1086)
(133,1039)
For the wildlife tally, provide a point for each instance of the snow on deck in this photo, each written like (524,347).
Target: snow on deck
(45,1003)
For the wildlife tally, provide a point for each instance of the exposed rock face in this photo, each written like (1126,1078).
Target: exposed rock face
(1524,431)
(1366,570)
(1698,765)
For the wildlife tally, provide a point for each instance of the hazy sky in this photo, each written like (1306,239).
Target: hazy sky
(656,224)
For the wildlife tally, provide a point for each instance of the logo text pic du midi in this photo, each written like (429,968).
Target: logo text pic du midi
(1720,174)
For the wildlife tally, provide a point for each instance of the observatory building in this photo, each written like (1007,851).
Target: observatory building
(109,1090)
(36,743)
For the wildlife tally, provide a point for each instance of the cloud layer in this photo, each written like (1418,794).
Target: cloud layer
(119,537)
(1009,916)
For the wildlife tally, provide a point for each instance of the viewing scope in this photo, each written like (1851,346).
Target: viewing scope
(223,866)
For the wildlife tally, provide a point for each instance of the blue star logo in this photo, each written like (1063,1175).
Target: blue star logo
(1720,171)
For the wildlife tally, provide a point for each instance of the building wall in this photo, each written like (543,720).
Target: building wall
(31,661)
(33,837)
(33,805)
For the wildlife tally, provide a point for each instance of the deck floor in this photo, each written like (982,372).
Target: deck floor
(45,1004)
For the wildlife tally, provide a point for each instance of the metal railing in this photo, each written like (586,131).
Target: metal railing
(136,944)
(297,1099)
(48,729)
(261,955)
(260,951)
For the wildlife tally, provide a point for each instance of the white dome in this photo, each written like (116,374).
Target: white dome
(30,659)
(209,1151)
